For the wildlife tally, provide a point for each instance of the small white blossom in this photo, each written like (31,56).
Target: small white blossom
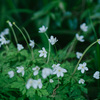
(43,29)
(79,55)
(3,40)
(81,81)
(83,27)
(39,83)
(20,47)
(59,71)
(54,66)
(5,32)
(31,83)
(32,43)
(20,70)
(51,81)
(82,67)
(11,74)
(46,72)
(96,75)
(36,70)
(52,40)
(98,41)
(10,24)
(80,38)
(43,52)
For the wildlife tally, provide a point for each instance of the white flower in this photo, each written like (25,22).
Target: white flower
(79,55)
(20,70)
(32,43)
(82,67)
(51,81)
(59,71)
(32,83)
(80,38)
(10,24)
(46,72)
(11,74)
(5,32)
(83,27)
(36,70)
(81,81)
(43,29)
(96,75)
(3,40)
(39,83)
(98,41)
(52,40)
(43,52)
(20,47)
(54,66)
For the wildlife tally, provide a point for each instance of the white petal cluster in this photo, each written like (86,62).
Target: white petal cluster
(20,70)
(46,72)
(98,41)
(51,81)
(83,27)
(36,70)
(43,29)
(52,40)
(11,74)
(96,75)
(3,40)
(79,55)
(43,53)
(83,67)
(81,81)
(20,47)
(58,70)
(80,38)
(5,32)
(32,43)
(34,83)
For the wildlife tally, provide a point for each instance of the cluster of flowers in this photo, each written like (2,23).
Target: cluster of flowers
(83,67)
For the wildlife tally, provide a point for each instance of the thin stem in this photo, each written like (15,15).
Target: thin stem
(22,34)
(83,55)
(49,47)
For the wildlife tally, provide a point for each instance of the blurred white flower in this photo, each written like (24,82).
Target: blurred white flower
(20,47)
(20,70)
(80,38)
(82,67)
(98,41)
(36,70)
(5,32)
(59,71)
(43,29)
(30,83)
(43,52)
(3,40)
(11,74)
(52,40)
(79,55)
(46,72)
(10,24)
(54,66)
(81,81)
(39,83)
(32,43)
(51,81)
(96,75)
(83,27)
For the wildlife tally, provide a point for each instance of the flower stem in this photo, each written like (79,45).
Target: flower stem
(49,48)
(83,55)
